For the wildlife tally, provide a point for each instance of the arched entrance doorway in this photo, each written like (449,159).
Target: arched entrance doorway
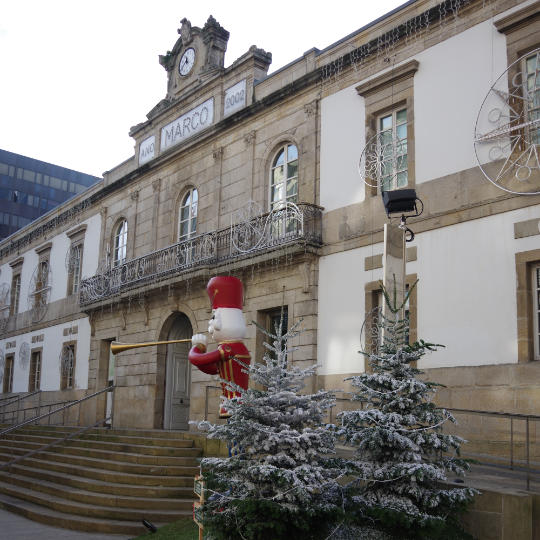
(177,376)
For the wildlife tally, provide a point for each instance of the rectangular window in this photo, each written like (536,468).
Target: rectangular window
(67,367)
(273,320)
(42,284)
(29,176)
(392,143)
(532,95)
(34,382)
(15,294)
(8,374)
(536,310)
(74,268)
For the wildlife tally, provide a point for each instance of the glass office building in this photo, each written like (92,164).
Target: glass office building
(30,188)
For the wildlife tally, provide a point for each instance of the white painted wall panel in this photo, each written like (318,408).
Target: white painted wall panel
(52,346)
(341,309)
(342,136)
(452,81)
(466,294)
(60,246)
(449,88)
(91,246)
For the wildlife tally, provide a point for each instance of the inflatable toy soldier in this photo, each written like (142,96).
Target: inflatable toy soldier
(228,328)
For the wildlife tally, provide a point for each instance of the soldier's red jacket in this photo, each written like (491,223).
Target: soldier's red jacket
(222,361)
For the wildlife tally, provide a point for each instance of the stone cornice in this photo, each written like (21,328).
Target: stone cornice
(518,19)
(400,73)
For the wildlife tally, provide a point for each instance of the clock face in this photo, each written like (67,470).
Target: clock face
(186,62)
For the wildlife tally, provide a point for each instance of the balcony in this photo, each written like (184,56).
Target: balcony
(288,226)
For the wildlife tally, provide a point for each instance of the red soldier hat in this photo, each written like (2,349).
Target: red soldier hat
(225,292)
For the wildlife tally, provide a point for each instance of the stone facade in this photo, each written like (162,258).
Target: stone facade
(326,104)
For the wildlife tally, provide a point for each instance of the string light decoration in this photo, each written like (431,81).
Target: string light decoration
(24,355)
(382,47)
(285,225)
(253,232)
(39,291)
(4,305)
(383,158)
(66,360)
(370,332)
(507,131)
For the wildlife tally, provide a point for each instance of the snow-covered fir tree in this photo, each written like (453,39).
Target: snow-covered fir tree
(281,477)
(402,456)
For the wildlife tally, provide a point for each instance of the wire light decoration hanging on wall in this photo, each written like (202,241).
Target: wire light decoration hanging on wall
(24,355)
(2,365)
(507,131)
(66,360)
(383,157)
(383,46)
(5,306)
(39,291)
(253,229)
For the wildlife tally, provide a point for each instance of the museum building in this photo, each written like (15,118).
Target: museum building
(276,179)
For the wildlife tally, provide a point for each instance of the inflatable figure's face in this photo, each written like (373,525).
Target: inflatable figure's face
(227,324)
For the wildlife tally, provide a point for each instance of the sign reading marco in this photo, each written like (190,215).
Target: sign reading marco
(188,124)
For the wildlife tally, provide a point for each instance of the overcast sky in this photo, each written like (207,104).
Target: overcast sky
(75,76)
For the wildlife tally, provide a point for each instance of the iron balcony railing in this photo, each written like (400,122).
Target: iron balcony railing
(289,224)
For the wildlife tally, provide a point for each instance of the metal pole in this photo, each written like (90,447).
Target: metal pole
(39,407)
(512,443)
(206,402)
(528,464)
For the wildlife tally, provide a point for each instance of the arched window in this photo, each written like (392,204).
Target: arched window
(120,243)
(284,176)
(187,215)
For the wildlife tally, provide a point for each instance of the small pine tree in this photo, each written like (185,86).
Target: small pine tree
(281,479)
(400,461)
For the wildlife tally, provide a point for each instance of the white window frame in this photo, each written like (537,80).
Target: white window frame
(120,243)
(187,228)
(282,197)
(74,278)
(36,359)
(397,168)
(535,291)
(15,293)
(528,77)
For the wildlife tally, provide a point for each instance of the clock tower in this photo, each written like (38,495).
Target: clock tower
(196,54)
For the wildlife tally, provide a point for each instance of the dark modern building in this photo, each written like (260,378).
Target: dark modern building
(30,188)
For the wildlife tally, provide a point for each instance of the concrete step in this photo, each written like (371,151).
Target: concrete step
(99,486)
(67,506)
(76,523)
(106,476)
(106,481)
(111,446)
(89,497)
(126,457)
(109,464)
(46,437)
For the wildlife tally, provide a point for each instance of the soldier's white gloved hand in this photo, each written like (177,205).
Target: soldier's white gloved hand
(199,339)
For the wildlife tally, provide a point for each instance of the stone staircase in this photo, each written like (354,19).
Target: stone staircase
(106,481)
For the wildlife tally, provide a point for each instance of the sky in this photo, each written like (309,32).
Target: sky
(75,76)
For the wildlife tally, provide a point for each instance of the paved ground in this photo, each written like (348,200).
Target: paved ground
(15,527)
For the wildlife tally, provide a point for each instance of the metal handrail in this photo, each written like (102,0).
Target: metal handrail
(54,443)
(65,407)
(18,398)
(511,416)
(39,407)
(208,249)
